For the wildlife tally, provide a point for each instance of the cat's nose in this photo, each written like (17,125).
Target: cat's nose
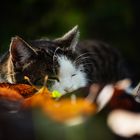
(68,89)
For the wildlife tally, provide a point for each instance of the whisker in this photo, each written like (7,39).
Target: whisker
(83,54)
(84,63)
(87,64)
(81,59)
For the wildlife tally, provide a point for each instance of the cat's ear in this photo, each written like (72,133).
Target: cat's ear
(70,39)
(20,51)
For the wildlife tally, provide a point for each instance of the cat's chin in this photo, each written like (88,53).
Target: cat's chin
(64,91)
(61,91)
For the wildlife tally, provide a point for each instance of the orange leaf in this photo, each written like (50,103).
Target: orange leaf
(10,94)
(38,99)
(23,89)
(65,110)
(61,110)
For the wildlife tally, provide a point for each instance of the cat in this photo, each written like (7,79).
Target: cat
(69,64)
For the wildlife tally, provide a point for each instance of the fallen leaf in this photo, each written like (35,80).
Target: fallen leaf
(23,89)
(9,94)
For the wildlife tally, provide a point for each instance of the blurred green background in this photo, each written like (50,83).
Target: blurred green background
(113,21)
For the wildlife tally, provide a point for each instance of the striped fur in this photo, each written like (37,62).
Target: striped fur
(95,61)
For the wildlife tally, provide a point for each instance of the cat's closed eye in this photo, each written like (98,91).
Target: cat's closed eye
(73,75)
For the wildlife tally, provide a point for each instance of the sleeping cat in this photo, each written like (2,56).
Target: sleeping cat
(70,64)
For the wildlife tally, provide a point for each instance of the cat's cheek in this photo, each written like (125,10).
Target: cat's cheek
(81,80)
(77,86)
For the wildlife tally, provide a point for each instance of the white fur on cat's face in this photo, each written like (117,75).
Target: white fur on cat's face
(70,77)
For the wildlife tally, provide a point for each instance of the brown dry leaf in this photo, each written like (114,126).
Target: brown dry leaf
(38,99)
(23,89)
(61,110)
(9,94)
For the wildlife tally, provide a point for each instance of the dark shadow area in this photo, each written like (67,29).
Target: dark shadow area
(116,22)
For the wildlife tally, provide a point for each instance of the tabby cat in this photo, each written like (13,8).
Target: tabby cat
(70,64)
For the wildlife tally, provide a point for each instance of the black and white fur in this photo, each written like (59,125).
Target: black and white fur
(74,64)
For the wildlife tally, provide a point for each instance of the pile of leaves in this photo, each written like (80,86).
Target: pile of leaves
(20,104)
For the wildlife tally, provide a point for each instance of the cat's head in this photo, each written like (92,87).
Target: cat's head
(58,58)
(70,70)
(30,61)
